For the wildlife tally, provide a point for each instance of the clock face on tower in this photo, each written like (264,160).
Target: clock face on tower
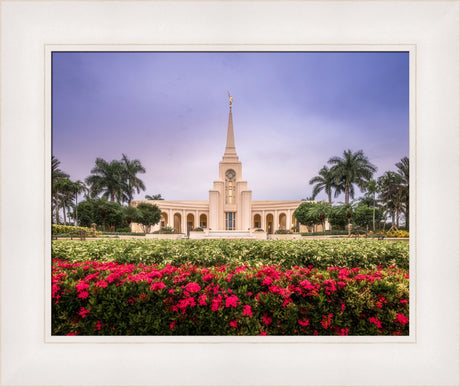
(230,174)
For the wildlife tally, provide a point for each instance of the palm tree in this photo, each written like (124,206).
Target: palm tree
(403,171)
(371,189)
(133,183)
(154,197)
(108,178)
(56,175)
(389,188)
(78,187)
(325,181)
(64,193)
(351,169)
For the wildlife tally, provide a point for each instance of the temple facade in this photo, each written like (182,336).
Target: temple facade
(230,209)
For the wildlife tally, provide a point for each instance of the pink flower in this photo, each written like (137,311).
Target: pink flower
(202,299)
(193,287)
(342,308)
(344,332)
(208,277)
(216,303)
(83,295)
(403,301)
(326,321)
(267,281)
(263,333)
(375,321)
(232,301)
(72,334)
(172,325)
(304,323)
(330,287)
(247,311)
(55,288)
(157,286)
(83,312)
(267,320)
(233,323)
(101,284)
(81,286)
(401,319)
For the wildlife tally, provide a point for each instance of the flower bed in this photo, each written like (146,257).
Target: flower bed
(96,298)
(365,253)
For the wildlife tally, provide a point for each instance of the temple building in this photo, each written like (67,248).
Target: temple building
(230,210)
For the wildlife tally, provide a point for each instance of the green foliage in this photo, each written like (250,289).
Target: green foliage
(341,216)
(100,299)
(283,232)
(57,229)
(311,213)
(148,215)
(363,216)
(364,253)
(107,214)
(354,168)
(327,232)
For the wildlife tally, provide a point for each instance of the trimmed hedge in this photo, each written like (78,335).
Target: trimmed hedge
(95,298)
(363,253)
(57,229)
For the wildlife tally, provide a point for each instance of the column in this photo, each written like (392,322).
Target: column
(183,222)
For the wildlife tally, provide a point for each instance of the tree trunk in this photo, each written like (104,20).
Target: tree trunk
(112,197)
(65,220)
(373,215)
(329,195)
(347,194)
(56,209)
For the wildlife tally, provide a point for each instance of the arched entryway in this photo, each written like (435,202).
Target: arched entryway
(282,221)
(164,220)
(190,222)
(257,221)
(203,221)
(177,223)
(270,223)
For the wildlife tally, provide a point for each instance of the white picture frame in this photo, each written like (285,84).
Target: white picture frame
(428,29)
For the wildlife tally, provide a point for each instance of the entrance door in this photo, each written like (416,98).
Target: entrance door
(270,223)
(230,221)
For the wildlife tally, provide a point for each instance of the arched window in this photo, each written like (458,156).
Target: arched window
(230,186)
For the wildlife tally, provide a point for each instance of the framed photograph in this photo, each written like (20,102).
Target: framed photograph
(170,178)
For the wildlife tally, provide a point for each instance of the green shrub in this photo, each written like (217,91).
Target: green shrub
(58,229)
(363,253)
(110,299)
(124,230)
(283,232)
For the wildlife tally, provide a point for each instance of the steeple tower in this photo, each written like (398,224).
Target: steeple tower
(230,150)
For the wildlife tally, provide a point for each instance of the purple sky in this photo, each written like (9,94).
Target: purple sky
(291,113)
